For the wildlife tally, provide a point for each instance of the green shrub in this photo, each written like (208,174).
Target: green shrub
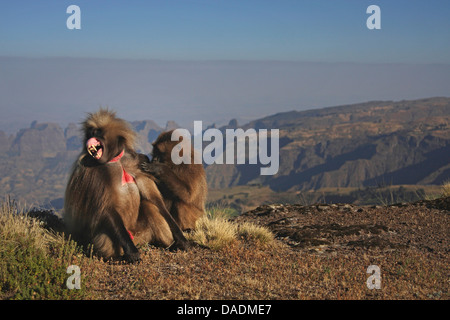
(33,260)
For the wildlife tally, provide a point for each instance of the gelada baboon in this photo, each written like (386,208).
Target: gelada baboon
(109,202)
(183,186)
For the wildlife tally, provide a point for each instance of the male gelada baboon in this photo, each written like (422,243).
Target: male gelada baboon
(109,202)
(183,186)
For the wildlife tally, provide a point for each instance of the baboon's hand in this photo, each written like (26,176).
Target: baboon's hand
(144,166)
(132,257)
(153,168)
(143,158)
(180,245)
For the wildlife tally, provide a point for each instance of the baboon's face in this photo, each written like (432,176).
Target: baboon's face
(157,155)
(162,147)
(162,151)
(101,145)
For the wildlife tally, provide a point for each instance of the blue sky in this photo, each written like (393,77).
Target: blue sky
(214,60)
(313,30)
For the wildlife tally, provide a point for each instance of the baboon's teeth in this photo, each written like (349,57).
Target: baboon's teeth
(94,148)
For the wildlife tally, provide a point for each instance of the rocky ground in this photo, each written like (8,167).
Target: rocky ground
(336,228)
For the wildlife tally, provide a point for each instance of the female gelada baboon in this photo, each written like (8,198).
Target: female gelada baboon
(183,186)
(109,202)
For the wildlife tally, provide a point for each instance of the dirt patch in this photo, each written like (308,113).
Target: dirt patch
(331,228)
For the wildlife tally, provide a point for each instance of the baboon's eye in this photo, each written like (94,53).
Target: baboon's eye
(97,132)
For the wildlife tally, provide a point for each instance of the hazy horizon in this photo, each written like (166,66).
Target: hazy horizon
(62,90)
(215,60)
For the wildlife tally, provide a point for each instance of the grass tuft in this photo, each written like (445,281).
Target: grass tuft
(446,189)
(257,234)
(215,231)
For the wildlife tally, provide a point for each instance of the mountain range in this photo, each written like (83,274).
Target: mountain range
(365,144)
(373,143)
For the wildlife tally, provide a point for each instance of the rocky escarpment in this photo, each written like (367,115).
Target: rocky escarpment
(367,144)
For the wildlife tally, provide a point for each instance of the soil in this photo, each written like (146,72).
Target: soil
(335,228)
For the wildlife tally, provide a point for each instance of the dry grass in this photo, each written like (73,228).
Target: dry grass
(215,231)
(15,225)
(253,233)
(446,189)
(276,272)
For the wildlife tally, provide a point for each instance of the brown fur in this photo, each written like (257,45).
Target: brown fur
(182,186)
(101,210)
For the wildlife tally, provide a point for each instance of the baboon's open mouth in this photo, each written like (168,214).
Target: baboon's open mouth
(95,148)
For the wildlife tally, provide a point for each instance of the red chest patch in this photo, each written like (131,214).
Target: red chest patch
(126,177)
